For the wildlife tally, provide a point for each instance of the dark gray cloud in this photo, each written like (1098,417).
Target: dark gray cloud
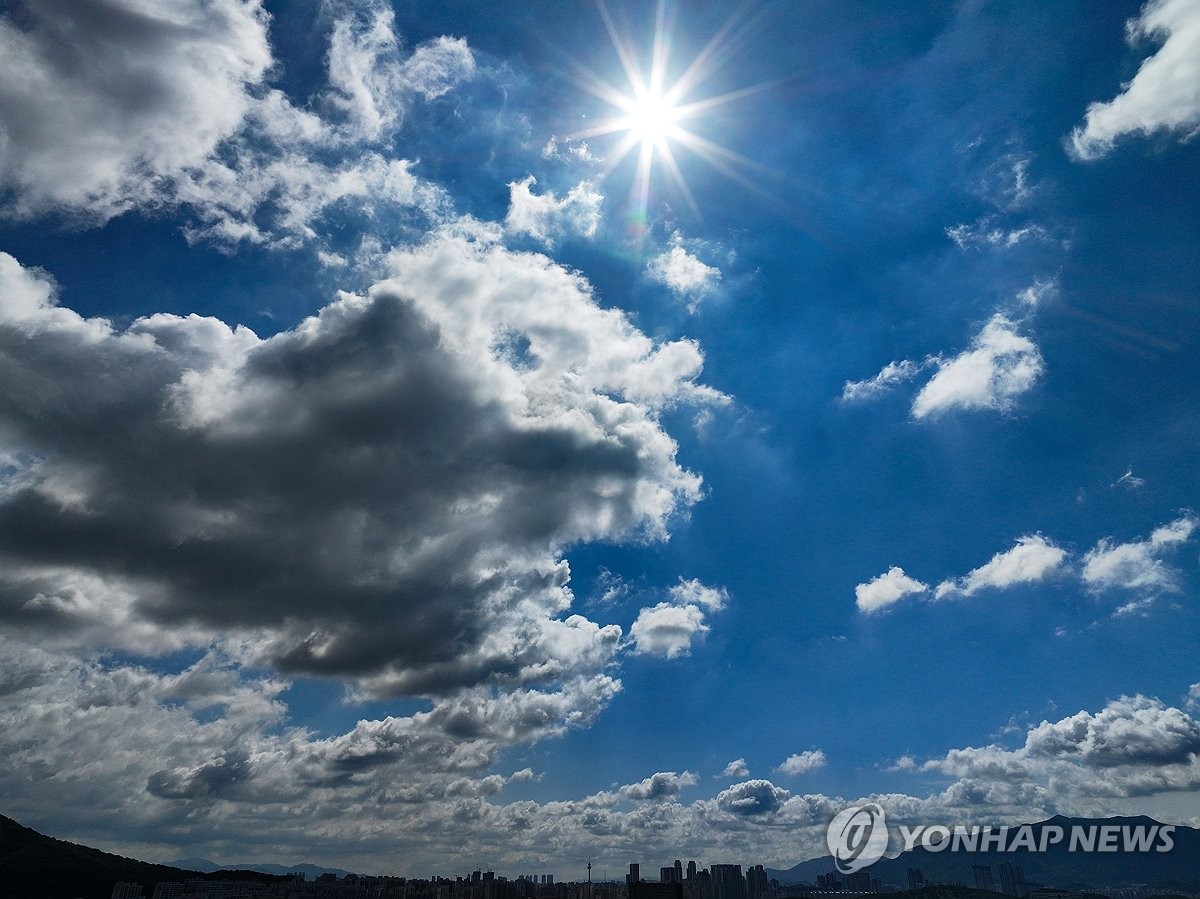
(661,786)
(753,797)
(361,495)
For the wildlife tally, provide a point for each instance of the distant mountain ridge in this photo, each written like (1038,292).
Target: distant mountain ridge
(35,866)
(1055,867)
(310,872)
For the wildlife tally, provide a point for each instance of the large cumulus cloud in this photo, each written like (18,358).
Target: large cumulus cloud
(382,493)
(205,760)
(112,105)
(79,79)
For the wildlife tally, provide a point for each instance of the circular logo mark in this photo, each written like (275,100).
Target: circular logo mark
(857,837)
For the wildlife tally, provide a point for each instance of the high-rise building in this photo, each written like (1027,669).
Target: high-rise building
(828,881)
(728,882)
(1012,879)
(859,882)
(678,871)
(757,884)
(635,873)
(691,872)
(916,879)
(983,877)
(666,875)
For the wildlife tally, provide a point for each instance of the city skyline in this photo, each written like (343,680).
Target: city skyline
(540,436)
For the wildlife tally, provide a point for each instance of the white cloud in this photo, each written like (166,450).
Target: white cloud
(609,587)
(1038,292)
(437,67)
(804,762)
(281,202)
(1001,365)
(658,787)
(887,588)
(889,376)
(692,592)
(685,274)
(1034,558)
(984,233)
(1134,746)
(667,629)
(209,756)
(738,768)
(546,217)
(403,573)
(183,116)
(1130,481)
(370,82)
(1164,95)
(1137,565)
(578,151)
(99,102)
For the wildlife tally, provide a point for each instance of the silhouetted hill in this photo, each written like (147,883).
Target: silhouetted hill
(310,872)
(35,866)
(1055,867)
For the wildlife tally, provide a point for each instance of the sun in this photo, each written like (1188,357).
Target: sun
(650,115)
(650,118)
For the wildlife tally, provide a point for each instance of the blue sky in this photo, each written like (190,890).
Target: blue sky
(402,468)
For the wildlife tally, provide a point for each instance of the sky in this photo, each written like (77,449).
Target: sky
(439,436)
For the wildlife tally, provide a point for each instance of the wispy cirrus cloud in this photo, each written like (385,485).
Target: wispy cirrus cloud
(891,375)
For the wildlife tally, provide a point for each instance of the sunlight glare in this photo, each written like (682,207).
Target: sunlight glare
(651,110)
(651,117)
